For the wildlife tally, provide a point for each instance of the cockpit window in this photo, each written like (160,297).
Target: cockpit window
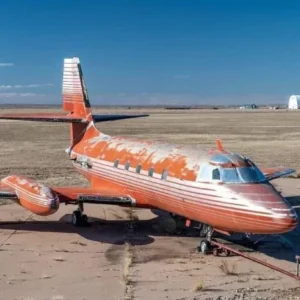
(230,175)
(251,174)
(245,172)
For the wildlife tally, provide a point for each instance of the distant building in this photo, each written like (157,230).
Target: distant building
(294,102)
(248,106)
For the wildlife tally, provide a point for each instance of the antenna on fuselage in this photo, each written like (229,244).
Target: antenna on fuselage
(220,146)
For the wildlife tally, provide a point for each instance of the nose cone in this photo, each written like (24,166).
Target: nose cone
(285,218)
(273,213)
(50,198)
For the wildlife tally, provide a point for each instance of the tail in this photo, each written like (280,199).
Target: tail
(77,105)
(75,95)
(76,101)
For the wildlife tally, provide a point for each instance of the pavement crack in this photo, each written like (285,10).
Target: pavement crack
(14,232)
(128,259)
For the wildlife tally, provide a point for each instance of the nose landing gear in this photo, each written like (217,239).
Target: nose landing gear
(207,246)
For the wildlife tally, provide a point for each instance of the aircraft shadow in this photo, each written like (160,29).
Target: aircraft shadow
(115,232)
(118,232)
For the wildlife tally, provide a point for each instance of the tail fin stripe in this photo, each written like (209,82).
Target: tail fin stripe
(75,98)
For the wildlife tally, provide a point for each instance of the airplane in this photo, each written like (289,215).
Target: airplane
(223,191)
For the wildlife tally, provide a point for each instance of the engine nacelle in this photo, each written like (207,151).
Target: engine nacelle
(33,196)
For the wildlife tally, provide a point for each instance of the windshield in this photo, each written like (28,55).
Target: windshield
(247,173)
(242,175)
(251,174)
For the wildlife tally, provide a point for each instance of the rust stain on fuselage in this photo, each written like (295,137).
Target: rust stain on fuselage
(180,162)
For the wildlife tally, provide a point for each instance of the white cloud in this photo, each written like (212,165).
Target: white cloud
(183,76)
(6,64)
(9,95)
(35,85)
(5,87)
(20,86)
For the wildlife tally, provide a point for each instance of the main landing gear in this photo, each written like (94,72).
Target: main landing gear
(78,217)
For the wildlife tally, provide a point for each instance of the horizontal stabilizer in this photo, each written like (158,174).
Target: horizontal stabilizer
(57,117)
(43,117)
(105,118)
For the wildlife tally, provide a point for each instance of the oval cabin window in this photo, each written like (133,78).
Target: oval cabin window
(151,171)
(127,165)
(164,175)
(138,169)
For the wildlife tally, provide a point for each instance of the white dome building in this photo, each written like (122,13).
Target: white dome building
(294,102)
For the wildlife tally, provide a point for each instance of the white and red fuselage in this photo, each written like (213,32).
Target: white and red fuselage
(216,188)
(180,180)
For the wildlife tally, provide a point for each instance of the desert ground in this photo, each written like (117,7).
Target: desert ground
(132,254)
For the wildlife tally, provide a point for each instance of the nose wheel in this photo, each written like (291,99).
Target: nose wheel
(205,245)
(208,246)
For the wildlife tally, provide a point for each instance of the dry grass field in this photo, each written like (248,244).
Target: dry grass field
(46,258)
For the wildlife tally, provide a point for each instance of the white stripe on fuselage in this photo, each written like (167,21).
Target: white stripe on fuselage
(204,194)
(223,213)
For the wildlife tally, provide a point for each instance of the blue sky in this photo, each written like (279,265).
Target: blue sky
(149,52)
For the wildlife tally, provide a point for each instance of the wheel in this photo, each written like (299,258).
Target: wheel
(204,247)
(84,219)
(76,218)
(215,251)
(225,252)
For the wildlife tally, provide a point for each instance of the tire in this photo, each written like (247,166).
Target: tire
(76,218)
(204,247)
(215,251)
(226,252)
(84,219)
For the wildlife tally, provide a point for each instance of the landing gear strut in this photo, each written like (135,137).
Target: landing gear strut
(78,218)
(205,245)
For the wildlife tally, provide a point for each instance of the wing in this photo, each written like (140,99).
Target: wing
(7,192)
(74,195)
(273,173)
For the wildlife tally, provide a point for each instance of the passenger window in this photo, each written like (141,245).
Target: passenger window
(138,169)
(116,163)
(216,174)
(164,175)
(127,165)
(150,172)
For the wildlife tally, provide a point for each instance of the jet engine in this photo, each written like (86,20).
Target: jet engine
(35,197)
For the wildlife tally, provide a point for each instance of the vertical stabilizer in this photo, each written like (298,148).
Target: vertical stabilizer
(76,100)
(75,96)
